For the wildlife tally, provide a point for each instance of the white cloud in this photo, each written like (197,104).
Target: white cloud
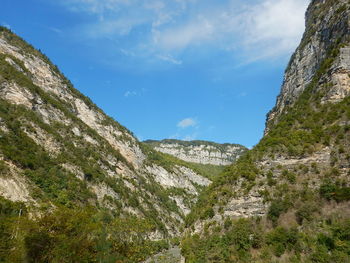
(274,27)
(133,93)
(259,29)
(127,52)
(188,122)
(95,6)
(194,32)
(170,59)
(130,93)
(56,30)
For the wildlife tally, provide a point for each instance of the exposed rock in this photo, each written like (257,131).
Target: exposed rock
(172,255)
(110,166)
(102,190)
(321,36)
(246,206)
(15,94)
(76,170)
(200,151)
(43,138)
(13,186)
(181,177)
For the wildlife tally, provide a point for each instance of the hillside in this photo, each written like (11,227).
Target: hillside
(288,199)
(202,152)
(70,175)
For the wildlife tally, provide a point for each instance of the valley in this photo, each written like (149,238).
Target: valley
(77,186)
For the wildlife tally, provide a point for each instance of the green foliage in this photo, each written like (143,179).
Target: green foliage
(331,191)
(232,246)
(277,208)
(208,213)
(305,212)
(169,162)
(290,176)
(73,235)
(282,239)
(244,168)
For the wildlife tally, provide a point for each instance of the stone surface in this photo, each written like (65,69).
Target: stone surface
(200,151)
(320,37)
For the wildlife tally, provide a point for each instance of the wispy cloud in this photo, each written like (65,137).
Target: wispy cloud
(133,93)
(261,29)
(130,93)
(170,59)
(127,52)
(188,122)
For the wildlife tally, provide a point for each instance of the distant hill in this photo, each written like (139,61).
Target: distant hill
(202,152)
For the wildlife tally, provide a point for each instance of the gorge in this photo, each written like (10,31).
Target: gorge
(77,186)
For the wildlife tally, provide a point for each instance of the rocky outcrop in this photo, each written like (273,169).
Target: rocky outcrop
(202,152)
(327,25)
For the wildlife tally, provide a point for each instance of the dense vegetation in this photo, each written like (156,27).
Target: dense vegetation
(72,235)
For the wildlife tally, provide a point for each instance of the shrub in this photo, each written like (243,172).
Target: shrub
(276,208)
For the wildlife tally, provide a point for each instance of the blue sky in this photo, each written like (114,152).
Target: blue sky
(185,69)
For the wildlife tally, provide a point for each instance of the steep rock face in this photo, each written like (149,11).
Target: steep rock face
(307,136)
(201,152)
(327,25)
(58,148)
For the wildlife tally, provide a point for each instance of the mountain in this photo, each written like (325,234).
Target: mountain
(77,186)
(202,152)
(70,175)
(288,199)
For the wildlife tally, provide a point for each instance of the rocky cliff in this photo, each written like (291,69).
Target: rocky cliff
(327,25)
(297,177)
(201,152)
(59,149)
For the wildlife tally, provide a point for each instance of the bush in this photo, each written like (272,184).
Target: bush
(277,208)
(305,212)
(282,239)
(331,191)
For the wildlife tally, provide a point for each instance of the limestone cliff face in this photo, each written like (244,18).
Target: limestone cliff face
(323,57)
(307,134)
(69,151)
(201,152)
(327,25)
